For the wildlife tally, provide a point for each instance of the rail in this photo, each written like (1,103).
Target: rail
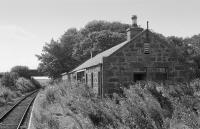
(22,117)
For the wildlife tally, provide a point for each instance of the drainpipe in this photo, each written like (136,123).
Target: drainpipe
(102,85)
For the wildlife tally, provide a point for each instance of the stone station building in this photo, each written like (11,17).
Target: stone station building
(143,56)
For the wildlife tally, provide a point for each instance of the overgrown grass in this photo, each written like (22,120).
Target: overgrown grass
(147,106)
(6,95)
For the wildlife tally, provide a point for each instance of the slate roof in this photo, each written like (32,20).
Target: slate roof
(99,57)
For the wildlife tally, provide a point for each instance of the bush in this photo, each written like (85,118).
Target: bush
(146,106)
(24,85)
(50,95)
(53,123)
(9,79)
(6,95)
(137,109)
(195,84)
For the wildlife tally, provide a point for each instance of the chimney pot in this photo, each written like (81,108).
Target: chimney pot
(134,20)
(134,29)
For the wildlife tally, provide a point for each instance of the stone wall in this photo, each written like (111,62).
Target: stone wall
(120,67)
(72,79)
(87,79)
(95,72)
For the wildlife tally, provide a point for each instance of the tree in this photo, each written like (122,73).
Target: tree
(98,36)
(96,26)
(176,41)
(56,59)
(74,46)
(97,42)
(188,51)
(107,39)
(22,71)
(194,42)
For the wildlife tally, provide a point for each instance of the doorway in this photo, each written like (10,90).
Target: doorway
(141,76)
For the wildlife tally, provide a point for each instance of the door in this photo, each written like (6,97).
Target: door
(140,76)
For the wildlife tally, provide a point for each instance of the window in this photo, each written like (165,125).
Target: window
(80,76)
(151,73)
(86,79)
(92,79)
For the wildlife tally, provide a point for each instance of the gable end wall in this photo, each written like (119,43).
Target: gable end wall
(118,68)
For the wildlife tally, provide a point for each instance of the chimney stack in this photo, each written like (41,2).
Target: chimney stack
(134,29)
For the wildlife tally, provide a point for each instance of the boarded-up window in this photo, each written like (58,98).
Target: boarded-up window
(158,73)
(160,76)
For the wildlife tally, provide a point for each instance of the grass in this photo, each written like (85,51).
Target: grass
(6,95)
(147,106)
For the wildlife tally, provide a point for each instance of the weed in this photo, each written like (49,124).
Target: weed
(147,106)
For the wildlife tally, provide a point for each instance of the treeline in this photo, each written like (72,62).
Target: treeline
(15,83)
(75,46)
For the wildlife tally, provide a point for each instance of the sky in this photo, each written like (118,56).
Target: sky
(26,25)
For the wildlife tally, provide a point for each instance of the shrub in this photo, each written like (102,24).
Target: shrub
(2,101)
(185,115)
(53,123)
(24,85)
(6,95)
(146,105)
(158,92)
(9,80)
(131,111)
(50,95)
(195,84)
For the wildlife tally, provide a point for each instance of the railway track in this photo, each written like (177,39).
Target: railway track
(17,116)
